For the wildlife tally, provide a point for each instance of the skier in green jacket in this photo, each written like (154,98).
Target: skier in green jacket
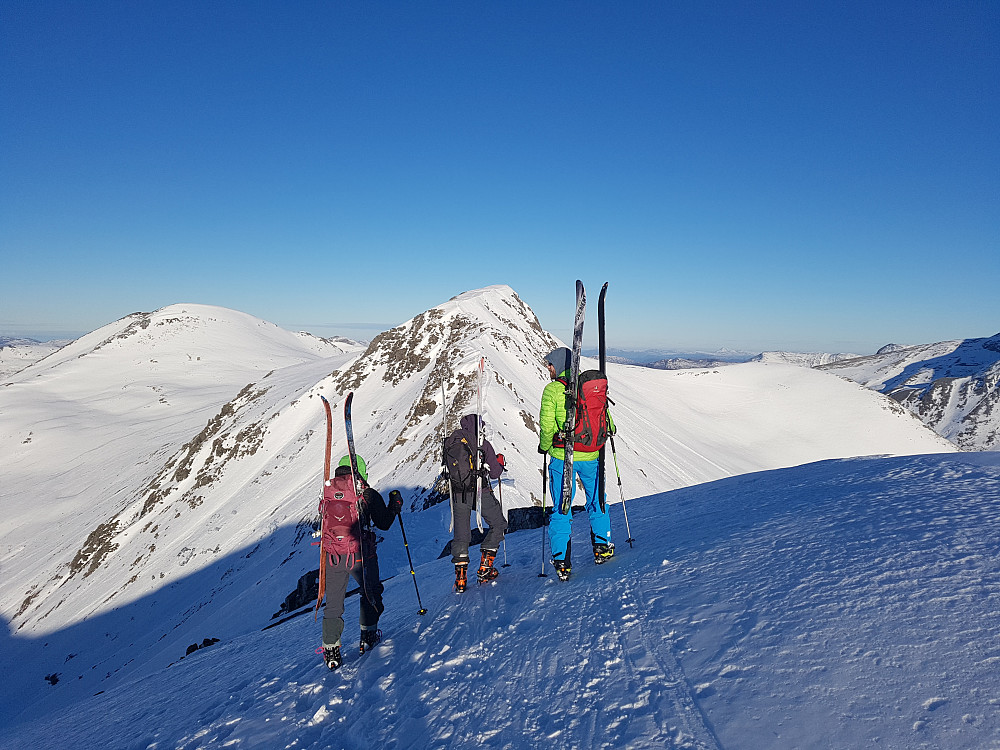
(552,417)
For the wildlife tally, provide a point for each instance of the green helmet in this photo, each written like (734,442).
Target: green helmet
(362,469)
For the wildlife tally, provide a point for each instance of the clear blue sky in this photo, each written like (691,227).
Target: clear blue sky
(781,175)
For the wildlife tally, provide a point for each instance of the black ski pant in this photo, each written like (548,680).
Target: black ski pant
(462,506)
(337,575)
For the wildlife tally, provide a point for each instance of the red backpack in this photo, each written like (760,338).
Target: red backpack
(341,519)
(591,413)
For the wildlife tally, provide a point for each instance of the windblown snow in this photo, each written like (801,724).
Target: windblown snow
(802,575)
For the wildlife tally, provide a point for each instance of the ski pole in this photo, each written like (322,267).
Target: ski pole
(620,490)
(545,485)
(503,462)
(394,495)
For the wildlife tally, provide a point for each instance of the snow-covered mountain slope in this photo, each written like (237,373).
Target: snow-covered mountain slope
(18,353)
(951,385)
(81,428)
(837,605)
(139,478)
(802,359)
(89,433)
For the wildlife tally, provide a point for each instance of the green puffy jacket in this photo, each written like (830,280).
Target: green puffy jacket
(552,417)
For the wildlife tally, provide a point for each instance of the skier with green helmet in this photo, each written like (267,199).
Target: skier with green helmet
(348,509)
(551,420)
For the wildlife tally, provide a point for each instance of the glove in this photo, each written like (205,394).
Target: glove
(541,450)
(395,502)
(501,460)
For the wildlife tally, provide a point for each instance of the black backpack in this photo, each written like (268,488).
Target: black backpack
(458,459)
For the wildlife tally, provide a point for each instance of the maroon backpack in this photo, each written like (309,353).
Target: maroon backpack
(341,519)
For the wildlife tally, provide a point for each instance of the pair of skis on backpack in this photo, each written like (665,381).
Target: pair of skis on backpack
(573,394)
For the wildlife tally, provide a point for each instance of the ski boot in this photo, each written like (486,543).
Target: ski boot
(563,568)
(603,553)
(461,576)
(332,657)
(369,638)
(486,570)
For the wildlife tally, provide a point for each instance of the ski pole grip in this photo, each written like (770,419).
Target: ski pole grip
(395,497)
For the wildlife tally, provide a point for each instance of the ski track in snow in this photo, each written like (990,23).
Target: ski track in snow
(485,667)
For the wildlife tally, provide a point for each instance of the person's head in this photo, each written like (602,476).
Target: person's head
(558,361)
(362,469)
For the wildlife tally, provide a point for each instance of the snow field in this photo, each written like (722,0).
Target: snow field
(848,603)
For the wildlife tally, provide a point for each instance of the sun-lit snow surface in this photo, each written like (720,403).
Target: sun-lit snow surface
(160,475)
(952,386)
(842,604)
(18,353)
(802,359)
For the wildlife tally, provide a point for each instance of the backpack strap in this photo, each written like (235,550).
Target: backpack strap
(559,439)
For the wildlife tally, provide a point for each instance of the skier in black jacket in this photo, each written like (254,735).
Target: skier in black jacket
(363,567)
(460,468)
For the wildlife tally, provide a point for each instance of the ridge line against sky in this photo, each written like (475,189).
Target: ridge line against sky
(793,176)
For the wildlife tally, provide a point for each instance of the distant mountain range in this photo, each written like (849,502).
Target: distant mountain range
(691,360)
(687,359)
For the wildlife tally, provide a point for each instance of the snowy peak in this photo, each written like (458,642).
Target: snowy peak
(127,433)
(950,385)
(189,335)
(402,377)
(450,335)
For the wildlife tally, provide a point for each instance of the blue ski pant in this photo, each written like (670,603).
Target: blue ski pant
(560,525)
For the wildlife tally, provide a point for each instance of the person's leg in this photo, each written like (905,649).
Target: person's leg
(600,521)
(462,514)
(560,524)
(493,514)
(367,575)
(337,576)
